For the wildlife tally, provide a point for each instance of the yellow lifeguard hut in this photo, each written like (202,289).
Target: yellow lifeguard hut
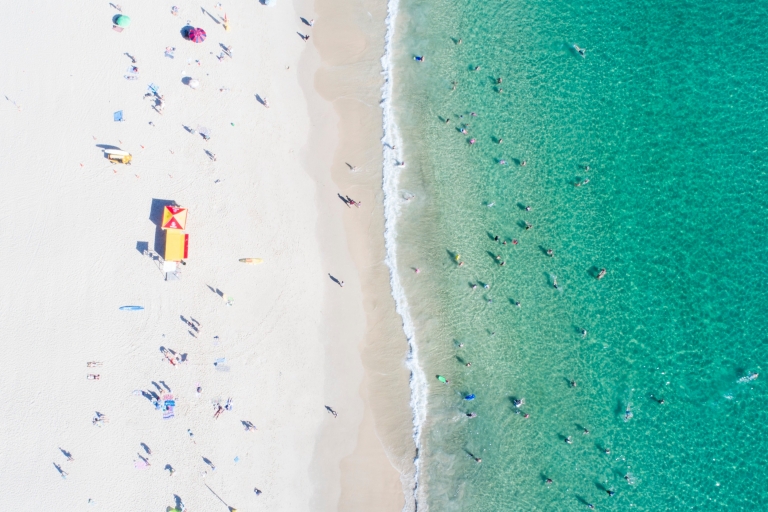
(176,241)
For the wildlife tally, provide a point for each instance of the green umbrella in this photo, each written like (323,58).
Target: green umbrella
(122,21)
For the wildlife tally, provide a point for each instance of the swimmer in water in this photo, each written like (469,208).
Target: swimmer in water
(477,68)
(583,333)
(548,481)
(523,163)
(527,208)
(550,252)
(419,58)
(518,304)
(471,415)
(601,274)
(501,140)
(568,440)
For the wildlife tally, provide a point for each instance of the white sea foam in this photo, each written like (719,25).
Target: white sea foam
(392,206)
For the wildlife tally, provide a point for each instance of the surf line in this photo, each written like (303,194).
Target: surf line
(391,139)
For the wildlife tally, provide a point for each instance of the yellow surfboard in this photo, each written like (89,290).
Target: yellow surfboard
(251,261)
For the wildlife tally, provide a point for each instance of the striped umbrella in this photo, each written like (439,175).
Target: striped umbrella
(196,35)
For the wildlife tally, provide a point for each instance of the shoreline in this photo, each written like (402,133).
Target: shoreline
(349,39)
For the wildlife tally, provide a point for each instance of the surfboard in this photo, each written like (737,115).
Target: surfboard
(251,261)
(131,308)
(116,152)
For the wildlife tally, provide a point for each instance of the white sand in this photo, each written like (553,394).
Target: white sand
(69,228)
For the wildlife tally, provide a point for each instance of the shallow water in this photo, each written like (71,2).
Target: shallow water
(668,110)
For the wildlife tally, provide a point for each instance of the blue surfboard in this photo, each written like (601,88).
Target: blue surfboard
(131,308)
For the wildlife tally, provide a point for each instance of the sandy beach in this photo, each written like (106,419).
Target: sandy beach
(281,340)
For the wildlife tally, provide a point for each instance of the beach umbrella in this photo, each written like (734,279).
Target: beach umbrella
(174,217)
(122,21)
(196,35)
(194,84)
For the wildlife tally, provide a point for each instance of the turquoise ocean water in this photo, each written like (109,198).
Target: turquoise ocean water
(669,110)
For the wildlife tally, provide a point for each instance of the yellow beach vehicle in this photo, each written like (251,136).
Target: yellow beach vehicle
(118,156)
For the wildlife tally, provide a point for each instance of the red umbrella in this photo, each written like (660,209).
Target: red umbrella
(196,35)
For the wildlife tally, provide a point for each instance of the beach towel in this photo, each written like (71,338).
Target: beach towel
(118,116)
(168,413)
